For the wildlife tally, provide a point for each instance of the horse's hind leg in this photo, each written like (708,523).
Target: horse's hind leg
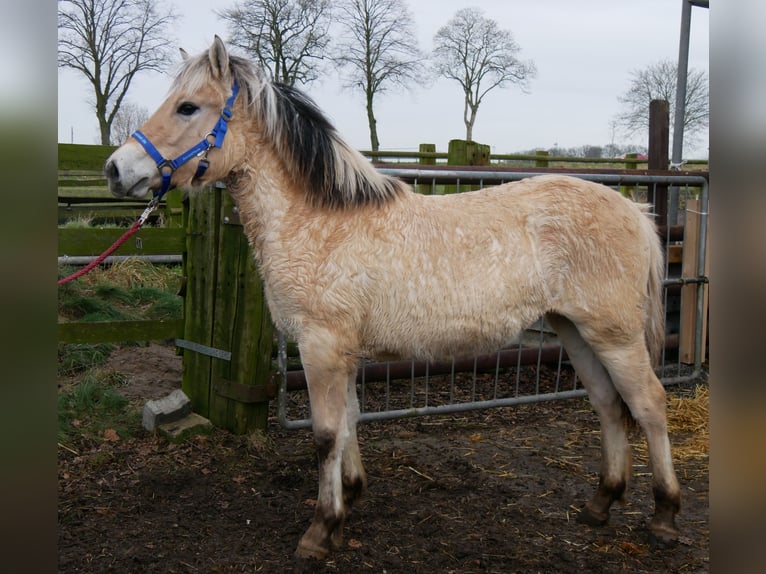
(328,371)
(634,378)
(616,460)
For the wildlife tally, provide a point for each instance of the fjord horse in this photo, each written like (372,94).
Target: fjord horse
(355,264)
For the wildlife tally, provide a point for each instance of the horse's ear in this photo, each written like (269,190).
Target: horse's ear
(184,54)
(219,58)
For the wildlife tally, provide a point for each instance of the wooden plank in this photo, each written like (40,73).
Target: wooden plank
(148,241)
(253,342)
(688,319)
(119,331)
(675,253)
(226,323)
(200,269)
(88,212)
(89,182)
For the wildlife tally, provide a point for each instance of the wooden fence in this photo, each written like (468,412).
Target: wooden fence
(225,333)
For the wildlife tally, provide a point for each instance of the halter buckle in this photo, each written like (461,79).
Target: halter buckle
(166,164)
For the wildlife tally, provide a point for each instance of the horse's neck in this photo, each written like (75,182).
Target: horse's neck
(264,202)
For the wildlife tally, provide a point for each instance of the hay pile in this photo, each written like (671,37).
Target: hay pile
(688,418)
(690,415)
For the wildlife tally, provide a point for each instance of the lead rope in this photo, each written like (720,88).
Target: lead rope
(113,247)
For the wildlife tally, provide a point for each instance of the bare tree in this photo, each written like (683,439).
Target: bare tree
(379,49)
(128,119)
(109,42)
(658,82)
(472,50)
(288,37)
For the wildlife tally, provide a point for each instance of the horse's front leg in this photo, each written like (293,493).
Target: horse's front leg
(354,477)
(328,371)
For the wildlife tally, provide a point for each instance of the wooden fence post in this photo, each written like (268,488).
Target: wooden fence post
(625,190)
(225,312)
(659,134)
(426,189)
(463,152)
(427,148)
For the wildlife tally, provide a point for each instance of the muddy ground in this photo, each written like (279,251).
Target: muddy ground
(487,492)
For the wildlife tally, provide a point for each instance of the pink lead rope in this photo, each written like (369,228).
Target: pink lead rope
(113,247)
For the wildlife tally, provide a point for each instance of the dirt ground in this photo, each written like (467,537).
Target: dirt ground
(487,492)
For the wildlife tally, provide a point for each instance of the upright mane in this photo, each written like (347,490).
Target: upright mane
(333,174)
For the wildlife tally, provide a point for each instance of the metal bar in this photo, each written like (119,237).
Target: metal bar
(203,349)
(474,405)
(496,176)
(701,260)
(85,260)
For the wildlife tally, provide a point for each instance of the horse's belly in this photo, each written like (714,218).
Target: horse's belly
(432,338)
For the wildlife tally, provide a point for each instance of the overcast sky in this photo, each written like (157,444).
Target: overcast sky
(584,51)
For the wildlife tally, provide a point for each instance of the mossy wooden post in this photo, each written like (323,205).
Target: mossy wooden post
(627,190)
(426,188)
(427,148)
(226,312)
(174,208)
(543,161)
(466,153)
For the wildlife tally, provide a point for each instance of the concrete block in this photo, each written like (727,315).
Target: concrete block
(168,409)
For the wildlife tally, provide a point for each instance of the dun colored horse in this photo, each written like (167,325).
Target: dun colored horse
(355,264)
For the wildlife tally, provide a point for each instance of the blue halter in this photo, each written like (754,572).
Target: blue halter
(166,167)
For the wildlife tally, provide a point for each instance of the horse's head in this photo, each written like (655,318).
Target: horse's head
(183,143)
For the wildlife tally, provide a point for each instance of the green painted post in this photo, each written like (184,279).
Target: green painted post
(543,162)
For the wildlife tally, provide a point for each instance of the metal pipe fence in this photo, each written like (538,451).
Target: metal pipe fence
(537,368)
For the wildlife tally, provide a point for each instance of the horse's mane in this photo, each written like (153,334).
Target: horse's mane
(333,174)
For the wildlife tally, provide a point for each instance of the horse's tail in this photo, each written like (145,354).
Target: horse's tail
(655,310)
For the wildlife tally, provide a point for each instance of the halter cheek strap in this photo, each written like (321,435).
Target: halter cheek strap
(166,167)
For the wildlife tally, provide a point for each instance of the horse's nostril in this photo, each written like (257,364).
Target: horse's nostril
(111,170)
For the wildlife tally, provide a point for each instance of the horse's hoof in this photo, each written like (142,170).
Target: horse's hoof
(310,551)
(663,538)
(305,565)
(591,517)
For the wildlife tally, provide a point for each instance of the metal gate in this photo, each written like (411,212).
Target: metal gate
(536,369)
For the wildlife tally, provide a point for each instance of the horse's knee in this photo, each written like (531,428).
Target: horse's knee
(325,441)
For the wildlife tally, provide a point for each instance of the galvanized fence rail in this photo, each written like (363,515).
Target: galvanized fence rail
(536,369)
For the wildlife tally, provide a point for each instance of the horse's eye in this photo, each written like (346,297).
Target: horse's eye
(187,109)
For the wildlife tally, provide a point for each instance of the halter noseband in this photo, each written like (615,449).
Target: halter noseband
(166,167)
